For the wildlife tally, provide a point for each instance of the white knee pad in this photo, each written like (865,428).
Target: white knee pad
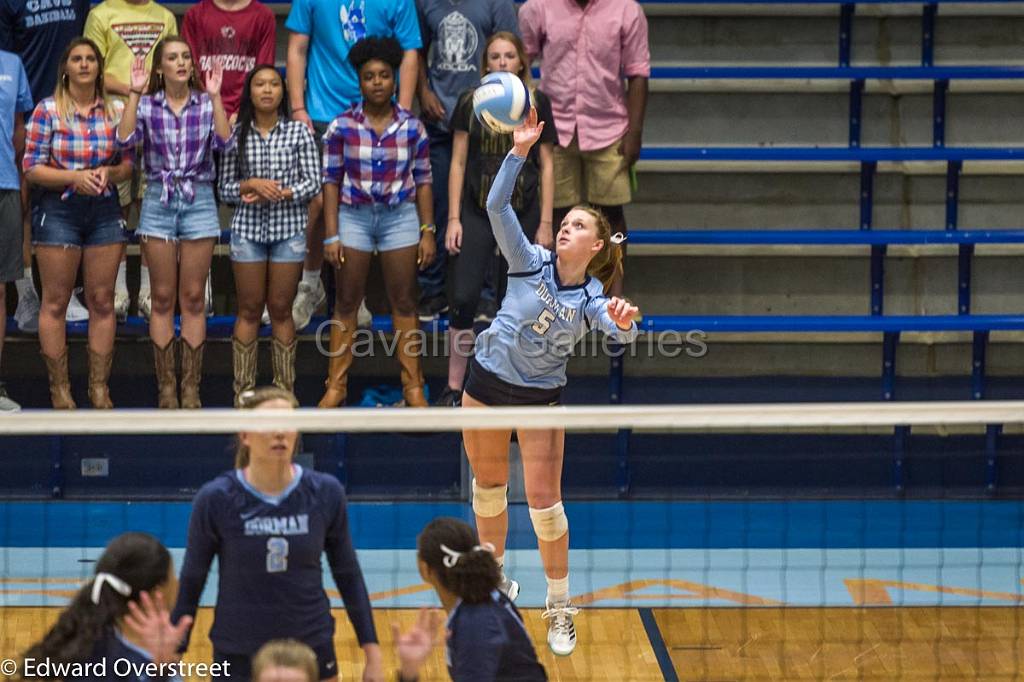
(489,502)
(549,524)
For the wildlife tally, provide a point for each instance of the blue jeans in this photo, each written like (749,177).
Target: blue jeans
(431,280)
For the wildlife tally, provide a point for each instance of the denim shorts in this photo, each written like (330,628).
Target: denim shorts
(179,220)
(290,250)
(77,221)
(378,227)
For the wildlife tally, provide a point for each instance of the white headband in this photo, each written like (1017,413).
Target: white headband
(118,585)
(451,557)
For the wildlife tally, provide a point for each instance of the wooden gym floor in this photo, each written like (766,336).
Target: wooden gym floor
(716,644)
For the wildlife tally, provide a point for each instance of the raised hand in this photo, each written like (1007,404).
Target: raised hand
(414,646)
(152,623)
(139,74)
(214,78)
(622,312)
(526,135)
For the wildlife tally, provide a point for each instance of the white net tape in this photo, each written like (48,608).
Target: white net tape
(600,418)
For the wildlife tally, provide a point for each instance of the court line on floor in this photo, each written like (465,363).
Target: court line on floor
(657,642)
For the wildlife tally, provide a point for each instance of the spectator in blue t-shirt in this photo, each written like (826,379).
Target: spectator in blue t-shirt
(15,98)
(453,43)
(318,46)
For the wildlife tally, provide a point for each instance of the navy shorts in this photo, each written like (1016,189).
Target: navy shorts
(492,390)
(239,666)
(77,221)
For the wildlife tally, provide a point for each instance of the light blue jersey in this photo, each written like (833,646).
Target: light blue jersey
(540,321)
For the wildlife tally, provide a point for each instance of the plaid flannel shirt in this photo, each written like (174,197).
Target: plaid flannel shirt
(85,142)
(288,155)
(372,169)
(176,147)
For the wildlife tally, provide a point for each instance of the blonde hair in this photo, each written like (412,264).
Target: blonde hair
(524,60)
(250,400)
(606,265)
(285,653)
(62,93)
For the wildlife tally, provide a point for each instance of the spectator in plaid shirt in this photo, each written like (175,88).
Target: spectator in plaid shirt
(71,152)
(271,173)
(376,190)
(179,126)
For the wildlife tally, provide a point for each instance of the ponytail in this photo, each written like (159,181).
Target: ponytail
(464,567)
(606,265)
(131,564)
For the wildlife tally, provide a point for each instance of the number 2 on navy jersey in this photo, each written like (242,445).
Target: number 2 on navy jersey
(544,321)
(277,555)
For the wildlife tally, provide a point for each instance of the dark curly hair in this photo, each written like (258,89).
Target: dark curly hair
(473,574)
(387,50)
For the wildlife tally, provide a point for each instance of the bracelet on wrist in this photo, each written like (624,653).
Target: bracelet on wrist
(454,218)
(136,92)
(332,239)
(298,109)
(428,227)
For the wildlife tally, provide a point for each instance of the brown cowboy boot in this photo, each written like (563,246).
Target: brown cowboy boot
(342,333)
(191,374)
(99,375)
(166,375)
(243,359)
(408,342)
(282,356)
(60,384)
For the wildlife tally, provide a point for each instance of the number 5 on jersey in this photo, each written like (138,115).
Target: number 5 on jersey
(277,555)
(544,321)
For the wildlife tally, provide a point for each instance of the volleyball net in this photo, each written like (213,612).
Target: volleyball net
(814,541)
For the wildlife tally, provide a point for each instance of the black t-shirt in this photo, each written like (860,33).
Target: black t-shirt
(38,31)
(487,149)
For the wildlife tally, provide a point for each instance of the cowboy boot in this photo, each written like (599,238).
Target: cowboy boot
(243,359)
(408,342)
(60,384)
(342,333)
(99,375)
(166,375)
(191,374)
(282,356)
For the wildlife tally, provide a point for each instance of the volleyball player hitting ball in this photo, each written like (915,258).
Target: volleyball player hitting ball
(553,299)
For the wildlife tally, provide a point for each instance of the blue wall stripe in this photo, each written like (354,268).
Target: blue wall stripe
(594,525)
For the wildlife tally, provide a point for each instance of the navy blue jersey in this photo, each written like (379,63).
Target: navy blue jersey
(488,643)
(270,582)
(115,658)
(540,321)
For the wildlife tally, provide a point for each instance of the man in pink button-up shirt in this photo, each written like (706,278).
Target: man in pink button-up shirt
(586,48)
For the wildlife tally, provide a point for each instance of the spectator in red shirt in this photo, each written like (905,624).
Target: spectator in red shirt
(240,33)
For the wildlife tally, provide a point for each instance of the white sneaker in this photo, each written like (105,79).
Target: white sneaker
(76,311)
(364,318)
(7,405)
(307,301)
(145,303)
(121,302)
(209,295)
(561,631)
(27,314)
(265,317)
(508,587)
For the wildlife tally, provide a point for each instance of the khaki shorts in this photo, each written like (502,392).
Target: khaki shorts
(134,187)
(597,177)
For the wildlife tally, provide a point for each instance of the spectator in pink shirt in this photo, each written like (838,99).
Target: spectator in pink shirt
(586,48)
